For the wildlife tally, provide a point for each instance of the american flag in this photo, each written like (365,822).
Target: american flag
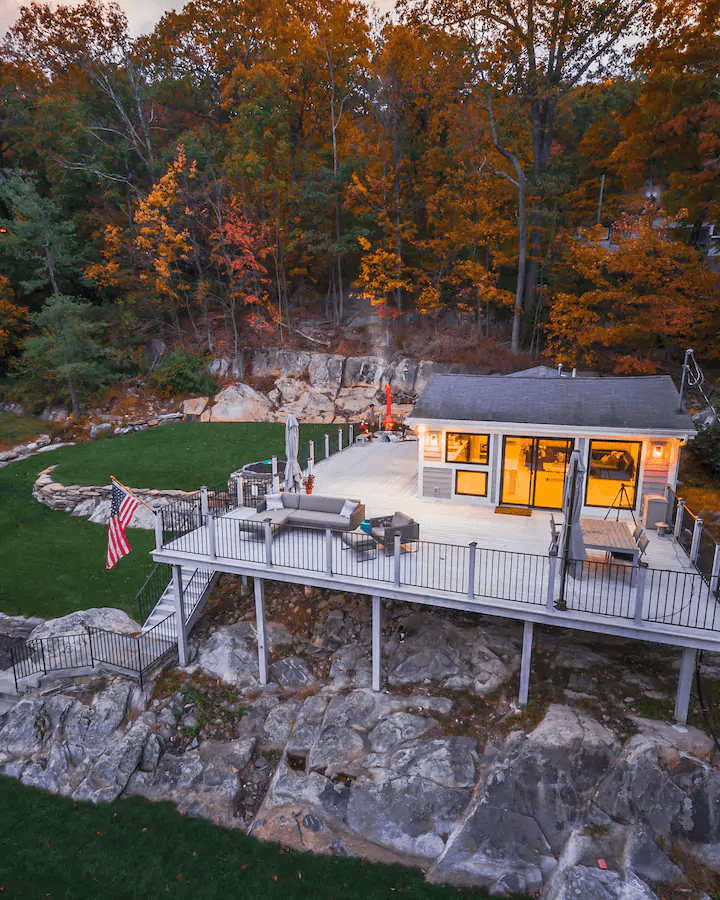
(122,507)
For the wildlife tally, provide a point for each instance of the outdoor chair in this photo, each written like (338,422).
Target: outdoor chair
(384,528)
(554,534)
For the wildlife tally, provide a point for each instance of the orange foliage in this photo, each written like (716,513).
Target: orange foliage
(634,296)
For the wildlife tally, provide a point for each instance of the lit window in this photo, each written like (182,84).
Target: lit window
(467,448)
(471,483)
(613,473)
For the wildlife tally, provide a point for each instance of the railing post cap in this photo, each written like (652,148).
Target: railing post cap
(473,543)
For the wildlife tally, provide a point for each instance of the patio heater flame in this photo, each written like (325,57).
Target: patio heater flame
(388,421)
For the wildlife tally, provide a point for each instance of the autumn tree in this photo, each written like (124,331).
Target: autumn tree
(671,134)
(93,102)
(533,53)
(627,301)
(13,322)
(238,249)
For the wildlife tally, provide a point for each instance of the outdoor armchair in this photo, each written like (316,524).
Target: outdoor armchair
(384,528)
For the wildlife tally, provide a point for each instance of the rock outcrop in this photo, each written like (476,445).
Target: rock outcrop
(565,808)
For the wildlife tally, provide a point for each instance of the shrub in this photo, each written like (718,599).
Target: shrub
(706,449)
(182,373)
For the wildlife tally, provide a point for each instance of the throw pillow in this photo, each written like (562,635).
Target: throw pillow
(273,502)
(349,507)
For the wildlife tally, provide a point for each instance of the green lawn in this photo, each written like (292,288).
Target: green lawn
(55,847)
(53,563)
(15,429)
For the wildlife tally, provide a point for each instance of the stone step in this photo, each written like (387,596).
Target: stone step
(8,694)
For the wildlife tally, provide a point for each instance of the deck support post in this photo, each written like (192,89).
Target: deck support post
(311,461)
(528,628)
(211,534)
(679,518)
(552,566)
(340,443)
(639,592)
(682,698)
(239,490)
(327,446)
(268,542)
(471,571)
(376,634)
(715,573)
(695,546)
(179,615)
(328,552)
(351,434)
(397,560)
(261,633)
(204,505)
(158,529)
(275,476)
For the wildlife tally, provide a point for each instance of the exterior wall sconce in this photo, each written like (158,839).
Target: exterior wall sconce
(658,451)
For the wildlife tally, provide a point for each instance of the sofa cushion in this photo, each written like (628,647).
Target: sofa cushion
(349,507)
(312,519)
(399,519)
(274,502)
(291,500)
(321,504)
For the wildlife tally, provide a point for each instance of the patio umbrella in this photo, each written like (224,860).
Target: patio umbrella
(293,472)
(572,545)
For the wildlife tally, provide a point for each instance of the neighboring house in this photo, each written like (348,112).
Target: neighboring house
(505,441)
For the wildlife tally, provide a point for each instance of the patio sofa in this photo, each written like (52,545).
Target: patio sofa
(304,510)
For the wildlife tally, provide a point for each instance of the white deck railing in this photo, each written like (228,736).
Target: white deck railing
(637,594)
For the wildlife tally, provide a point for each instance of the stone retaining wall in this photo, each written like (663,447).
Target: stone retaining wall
(94,502)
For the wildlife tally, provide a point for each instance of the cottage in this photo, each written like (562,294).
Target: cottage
(505,441)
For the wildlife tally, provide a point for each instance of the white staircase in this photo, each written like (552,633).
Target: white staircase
(197,584)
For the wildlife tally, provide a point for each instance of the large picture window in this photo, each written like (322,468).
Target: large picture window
(467,448)
(613,473)
(471,483)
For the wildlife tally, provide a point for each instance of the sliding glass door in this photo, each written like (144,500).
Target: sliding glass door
(534,471)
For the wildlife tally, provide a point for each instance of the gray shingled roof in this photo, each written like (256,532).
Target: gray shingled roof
(648,403)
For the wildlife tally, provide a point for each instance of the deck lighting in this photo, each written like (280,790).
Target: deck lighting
(658,451)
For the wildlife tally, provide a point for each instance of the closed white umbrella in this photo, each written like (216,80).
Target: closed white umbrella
(293,472)
(572,546)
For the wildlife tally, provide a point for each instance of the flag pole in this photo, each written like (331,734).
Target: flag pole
(132,494)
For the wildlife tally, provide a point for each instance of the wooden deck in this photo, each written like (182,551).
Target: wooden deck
(509,574)
(468,557)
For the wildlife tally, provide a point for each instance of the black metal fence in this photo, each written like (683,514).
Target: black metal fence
(613,589)
(152,590)
(131,654)
(697,542)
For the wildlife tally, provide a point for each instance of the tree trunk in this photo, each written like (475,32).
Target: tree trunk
(522,256)
(74,399)
(398,231)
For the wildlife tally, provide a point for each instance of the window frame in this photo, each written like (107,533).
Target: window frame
(467,434)
(630,483)
(477,472)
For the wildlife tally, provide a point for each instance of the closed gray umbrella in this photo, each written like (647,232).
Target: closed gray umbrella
(572,545)
(293,472)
